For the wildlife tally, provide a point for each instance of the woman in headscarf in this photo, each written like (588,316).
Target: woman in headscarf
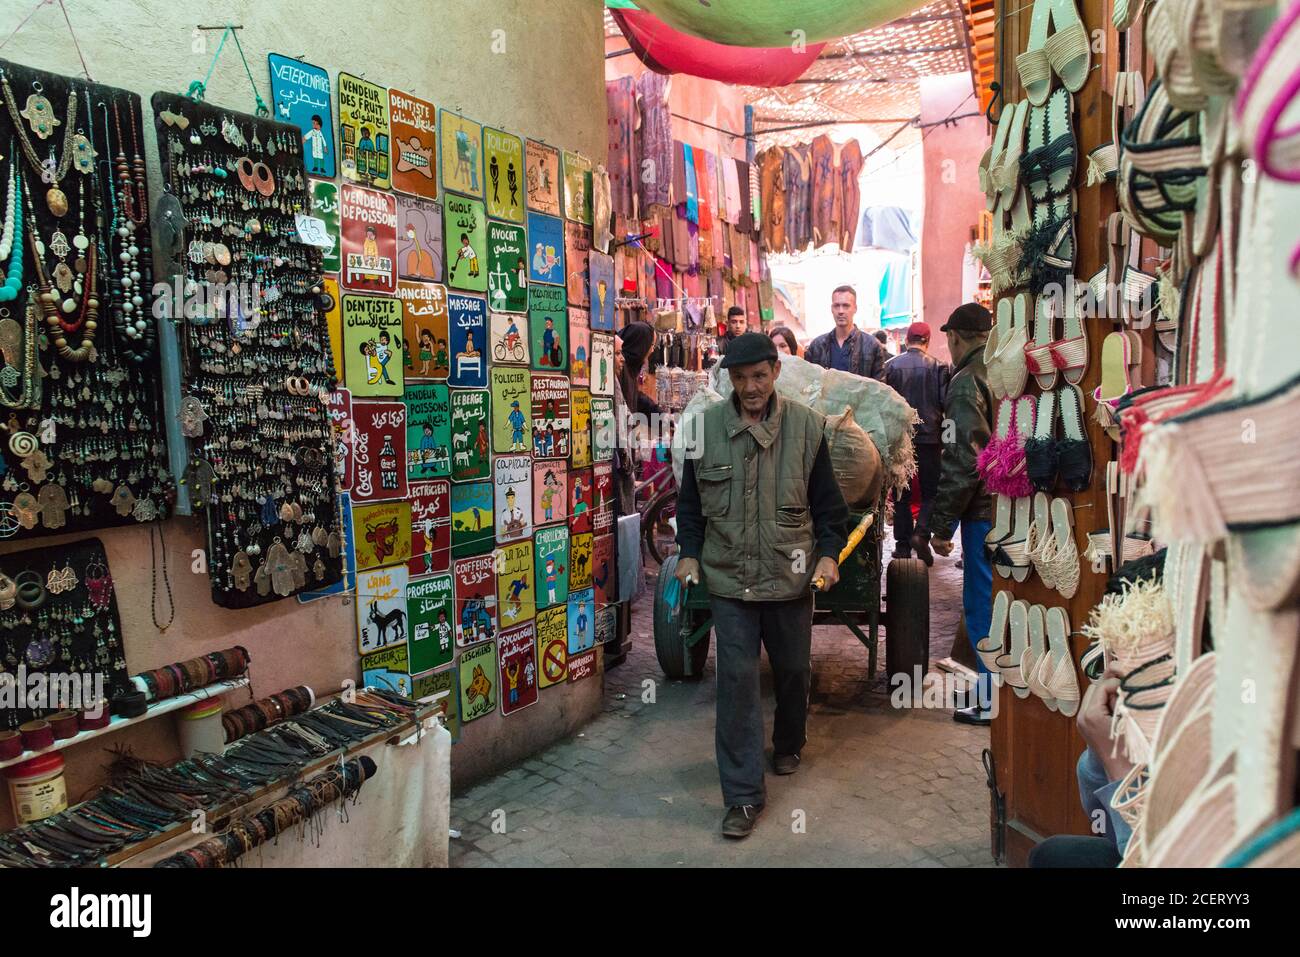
(632,345)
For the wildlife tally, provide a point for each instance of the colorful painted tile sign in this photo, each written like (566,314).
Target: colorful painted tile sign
(603,578)
(550,413)
(372,346)
(606,624)
(300,94)
(382,533)
(580,430)
(388,669)
(462,154)
(551,563)
(334,322)
(504,171)
(381,608)
(580,546)
(476,599)
(420,247)
(548,328)
(325,207)
(428,431)
(340,409)
(478,681)
(368,222)
(581,500)
(507,268)
(602,509)
(426,354)
(512,423)
(467,321)
(471,518)
(415,144)
(579,347)
(379,451)
(577,187)
(518,667)
(542,176)
(582,624)
(602,364)
(348,583)
(552,646)
(582,666)
(512,475)
(577,251)
(470,444)
(508,332)
(443,687)
(546,249)
(430,528)
(602,429)
(516,598)
(601,272)
(430,610)
(465,235)
(363,131)
(550,491)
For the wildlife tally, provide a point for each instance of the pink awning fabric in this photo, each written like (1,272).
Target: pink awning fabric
(665,50)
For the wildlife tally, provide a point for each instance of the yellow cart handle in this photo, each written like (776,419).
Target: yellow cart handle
(855,539)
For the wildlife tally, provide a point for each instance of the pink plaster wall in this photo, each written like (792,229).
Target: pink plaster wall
(953,201)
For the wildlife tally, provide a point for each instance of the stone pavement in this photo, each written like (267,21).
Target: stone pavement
(878,787)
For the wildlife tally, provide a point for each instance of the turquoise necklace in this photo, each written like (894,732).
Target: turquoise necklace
(13,283)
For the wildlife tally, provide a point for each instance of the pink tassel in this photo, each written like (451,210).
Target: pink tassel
(1002,466)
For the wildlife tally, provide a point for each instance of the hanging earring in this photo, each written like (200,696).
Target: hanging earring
(244,167)
(264,179)
(99,584)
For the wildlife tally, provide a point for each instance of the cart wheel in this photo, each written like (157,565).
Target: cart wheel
(660,539)
(670,649)
(907,627)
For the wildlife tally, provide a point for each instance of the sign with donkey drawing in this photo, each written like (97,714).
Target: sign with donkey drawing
(504,174)
(507,268)
(300,94)
(513,477)
(465,236)
(550,491)
(582,621)
(512,422)
(429,613)
(363,131)
(419,240)
(548,327)
(579,347)
(476,599)
(552,645)
(381,608)
(478,681)
(516,599)
(388,669)
(428,430)
(372,346)
(470,444)
(471,518)
(368,222)
(518,662)
(415,163)
(551,558)
(430,528)
(462,154)
(382,533)
(550,412)
(425,353)
(509,338)
(378,451)
(467,319)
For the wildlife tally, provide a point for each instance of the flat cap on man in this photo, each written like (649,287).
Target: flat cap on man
(749,348)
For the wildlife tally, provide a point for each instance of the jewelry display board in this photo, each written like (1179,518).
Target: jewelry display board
(81,432)
(58,617)
(257,368)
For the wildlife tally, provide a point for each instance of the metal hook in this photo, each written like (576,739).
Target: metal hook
(996,89)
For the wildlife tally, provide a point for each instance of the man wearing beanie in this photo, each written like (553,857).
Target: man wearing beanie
(922,380)
(760,519)
(962,496)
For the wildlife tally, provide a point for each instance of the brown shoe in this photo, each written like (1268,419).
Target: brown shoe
(740,820)
(785,763)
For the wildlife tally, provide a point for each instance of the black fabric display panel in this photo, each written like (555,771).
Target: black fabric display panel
(75,628)
(82,442)
(257,368)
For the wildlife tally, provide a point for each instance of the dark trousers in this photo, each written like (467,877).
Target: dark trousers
(1071,850)
(927,476)
(739,628)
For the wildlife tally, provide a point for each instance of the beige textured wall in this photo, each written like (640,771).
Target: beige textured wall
(547,82)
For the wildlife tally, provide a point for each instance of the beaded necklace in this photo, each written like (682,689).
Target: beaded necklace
(52,171)
(48,299)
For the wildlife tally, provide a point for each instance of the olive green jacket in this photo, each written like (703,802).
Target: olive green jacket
(968,423)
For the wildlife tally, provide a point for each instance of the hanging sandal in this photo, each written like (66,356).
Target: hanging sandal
(993,647)
(1103,161)
(1063,557)
(1038,352)
(992,160)
(1011,672)
(1065,52)
(999,337)
(1004,176)
(1031,661)
(1001,463)
(1014,549)
(1038,542)
(1058,674)
(1121,361)
(1000,531)
(1041,452)
(1073,454)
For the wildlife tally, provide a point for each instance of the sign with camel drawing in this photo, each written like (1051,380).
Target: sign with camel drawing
(478,681)
(381,608)
(517,656)
(382,533)
(475,590)
(580,545)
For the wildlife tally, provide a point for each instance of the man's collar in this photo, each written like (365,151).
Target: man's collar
(765,430)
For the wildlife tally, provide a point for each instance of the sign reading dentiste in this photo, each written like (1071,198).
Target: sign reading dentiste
(368,220)
(372,346)
(414,149)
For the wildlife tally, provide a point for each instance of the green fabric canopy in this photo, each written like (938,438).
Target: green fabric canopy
(771,23)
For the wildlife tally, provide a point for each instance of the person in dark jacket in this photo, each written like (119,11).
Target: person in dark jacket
(922,380)
(882,337)
(846,347)
(962,496)
(737,326)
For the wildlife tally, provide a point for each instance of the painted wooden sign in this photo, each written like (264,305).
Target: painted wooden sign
(507,268)
(546,249)
(580,429)
(381,608)
(382,534)
(379,451)
(579,347)
(550,491)
(504,174)
(426,354)
(388,669)
(340,409)
(334,321)
(550,415)
(368,223)
(512,476)
(325,207)
(603,429)
(551,563)
(602,364)
(300,94)
(512,424)
(478,681)
(467,321)
(542,175)
(582,666)
(518,668)
(430,528)
(363,131)
(516,597)
(372,346)
(582,624)
(476,599)
(604,580)
(580,547)
(430,608)
(548,328)
(552,646)
(471,518)
(600,272)
(577,251)
(465,236)
(444,688)
(462,154)
(428,430)
(508,332)
(470,445)
(602,511)
(420,247)
(577,188)
(415,144)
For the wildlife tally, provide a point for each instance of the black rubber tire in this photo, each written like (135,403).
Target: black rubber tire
(669,648)
(907,625)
